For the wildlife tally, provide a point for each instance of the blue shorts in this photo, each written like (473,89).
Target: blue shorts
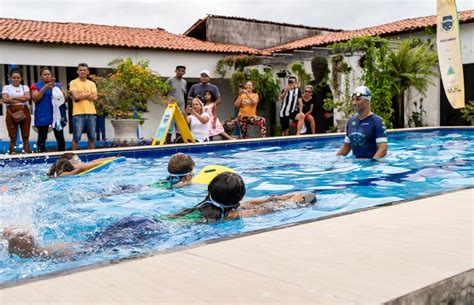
(81,123)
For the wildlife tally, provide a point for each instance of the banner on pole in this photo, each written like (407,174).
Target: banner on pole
(449,52)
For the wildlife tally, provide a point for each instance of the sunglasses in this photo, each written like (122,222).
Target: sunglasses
(308,91)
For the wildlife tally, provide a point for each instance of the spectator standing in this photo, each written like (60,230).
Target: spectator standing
(307,100)
(247,102)
(216,128)
(365,132)
(16,97)
(84,93)
(197,90)
(291,105)
(198,120)
(178,95)
(42,95)
(100,128)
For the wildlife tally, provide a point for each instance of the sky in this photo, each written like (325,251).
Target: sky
(176,16)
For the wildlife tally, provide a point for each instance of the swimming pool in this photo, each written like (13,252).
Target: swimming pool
(72,209)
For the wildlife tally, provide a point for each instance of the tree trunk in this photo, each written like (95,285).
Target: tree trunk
(398,115)
(401,115)
(272,123)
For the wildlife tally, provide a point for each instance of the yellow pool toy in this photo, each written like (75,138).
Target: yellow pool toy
(103,165)
(208,173)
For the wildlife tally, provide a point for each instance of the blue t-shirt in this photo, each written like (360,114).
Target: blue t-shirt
(364,135)
(199,89)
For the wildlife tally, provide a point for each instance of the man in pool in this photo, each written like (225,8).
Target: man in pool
(70,164)
(365,132)
(222,203)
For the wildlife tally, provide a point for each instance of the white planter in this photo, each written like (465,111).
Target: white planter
(341,124)
(125,131)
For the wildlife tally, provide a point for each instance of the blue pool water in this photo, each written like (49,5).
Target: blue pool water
(73,209)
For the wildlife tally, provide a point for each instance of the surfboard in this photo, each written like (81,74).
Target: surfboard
(103,165)
(449,52)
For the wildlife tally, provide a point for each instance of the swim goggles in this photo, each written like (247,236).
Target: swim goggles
(358,94)
(220,205)
(175,178)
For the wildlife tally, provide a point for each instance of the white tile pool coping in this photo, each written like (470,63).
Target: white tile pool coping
(362,258)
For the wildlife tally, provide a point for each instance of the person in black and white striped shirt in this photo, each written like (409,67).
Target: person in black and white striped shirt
(291,105)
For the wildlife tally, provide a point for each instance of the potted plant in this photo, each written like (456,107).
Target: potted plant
(343,106)
(124,93)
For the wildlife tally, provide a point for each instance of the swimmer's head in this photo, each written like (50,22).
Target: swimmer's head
(227,189)
(71,157)
(68,156)
(60,166)
(180,164)
(20,242)
(362,91)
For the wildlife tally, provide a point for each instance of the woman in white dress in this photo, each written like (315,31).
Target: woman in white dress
(198,120)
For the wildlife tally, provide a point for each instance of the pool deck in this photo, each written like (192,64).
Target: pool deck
(369,257)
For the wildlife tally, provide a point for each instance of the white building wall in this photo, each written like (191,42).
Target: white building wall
(163,62)
(467,43)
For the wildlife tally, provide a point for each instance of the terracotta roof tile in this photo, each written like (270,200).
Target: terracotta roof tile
(397,27)
(108,36)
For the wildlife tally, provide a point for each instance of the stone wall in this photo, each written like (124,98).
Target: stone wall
(255,34)
(457,290)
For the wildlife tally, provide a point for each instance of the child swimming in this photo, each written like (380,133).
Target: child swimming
(70,164)
(222,203)
(180,172)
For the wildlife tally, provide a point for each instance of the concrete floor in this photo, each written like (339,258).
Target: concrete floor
(363,258)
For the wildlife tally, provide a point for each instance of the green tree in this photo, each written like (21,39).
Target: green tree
(304,78)
(374,68)
(410,65)
(468,112)
(124,93)
(320,69)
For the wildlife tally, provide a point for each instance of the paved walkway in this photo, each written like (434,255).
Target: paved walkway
(362,258)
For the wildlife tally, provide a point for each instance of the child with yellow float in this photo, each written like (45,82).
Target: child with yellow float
(180,169)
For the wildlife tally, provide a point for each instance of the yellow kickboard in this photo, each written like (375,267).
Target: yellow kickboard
(103,165)
(208,173)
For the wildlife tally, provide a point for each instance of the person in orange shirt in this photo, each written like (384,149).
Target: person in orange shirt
(84,93)
(247,103)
